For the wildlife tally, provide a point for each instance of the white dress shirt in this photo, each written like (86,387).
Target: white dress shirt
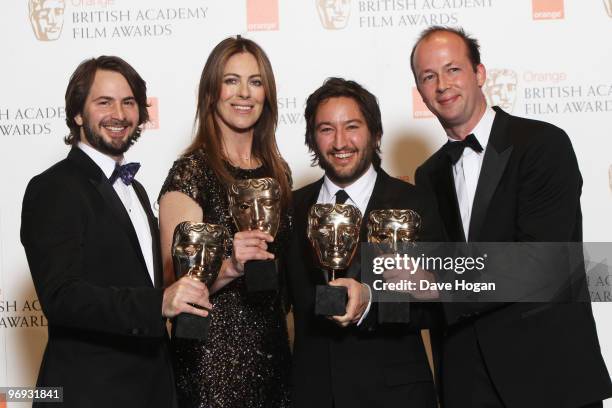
(359,193)
(469,164)
(130,201)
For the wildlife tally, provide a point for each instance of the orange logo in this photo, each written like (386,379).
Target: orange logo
(500,88)
(608,4)
(419,109)
(262,15)
(548,9)
(153,109)
(47,18)
(334,14)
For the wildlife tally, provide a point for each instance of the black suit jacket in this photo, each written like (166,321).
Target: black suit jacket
(351,367)
(107,341)
(536,355)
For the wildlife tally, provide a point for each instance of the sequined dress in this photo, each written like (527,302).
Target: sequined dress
(244,363)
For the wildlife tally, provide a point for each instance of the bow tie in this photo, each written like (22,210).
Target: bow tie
(455,149)
(126,173)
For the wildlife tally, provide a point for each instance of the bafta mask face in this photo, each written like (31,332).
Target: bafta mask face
(608,4)
(47,18)
(255,204)
(500,88)
(393,227)
(333,231)
(198,249)
(334,14)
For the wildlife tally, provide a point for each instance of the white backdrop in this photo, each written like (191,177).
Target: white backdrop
(551,60)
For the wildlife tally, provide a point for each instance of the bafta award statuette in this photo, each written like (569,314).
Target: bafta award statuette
(256,204)
(393,227)
(197,251)
(390,229)
(333,231)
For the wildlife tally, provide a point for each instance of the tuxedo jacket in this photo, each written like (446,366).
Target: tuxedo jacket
(351,367)
(536,355)
(107,342)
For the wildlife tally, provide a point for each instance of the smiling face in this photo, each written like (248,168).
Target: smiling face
(344,144)
(109,120)
(333,231)
(448,83)
(242,95)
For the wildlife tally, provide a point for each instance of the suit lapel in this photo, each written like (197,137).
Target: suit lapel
(377,201)
(97,178)
(301,224)
(153,228)
(444,187)
(494,163)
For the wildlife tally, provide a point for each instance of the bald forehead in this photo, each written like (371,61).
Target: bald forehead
(440,38)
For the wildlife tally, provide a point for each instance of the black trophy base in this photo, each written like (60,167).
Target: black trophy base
(188,326)
(330,300)
(261,276)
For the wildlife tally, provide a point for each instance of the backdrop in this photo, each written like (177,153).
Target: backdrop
(546,59)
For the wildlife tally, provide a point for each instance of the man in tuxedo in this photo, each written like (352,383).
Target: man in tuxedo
(501,178)
(344,361)
(92,245)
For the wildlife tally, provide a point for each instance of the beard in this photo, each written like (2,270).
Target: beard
(347,178)
(112,149)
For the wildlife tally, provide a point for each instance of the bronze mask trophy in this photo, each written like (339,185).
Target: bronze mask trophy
(256,204)
(390,229)
(333,231)
(393,227)
(197,251)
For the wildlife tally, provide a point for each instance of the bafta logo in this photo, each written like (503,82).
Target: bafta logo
(334,14)
(608,4)
(500,88)
(47,18)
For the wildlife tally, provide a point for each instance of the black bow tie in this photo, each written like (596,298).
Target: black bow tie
(126,173)
(455,149)
(341,197)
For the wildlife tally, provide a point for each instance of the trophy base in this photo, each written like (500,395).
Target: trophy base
(261,276)
(330,300)
(188,326)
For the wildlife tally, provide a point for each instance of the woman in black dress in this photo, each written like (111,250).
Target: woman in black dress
(245,360)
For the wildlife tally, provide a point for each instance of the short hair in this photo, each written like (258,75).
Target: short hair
(471,43)
(80,84)
(339,87)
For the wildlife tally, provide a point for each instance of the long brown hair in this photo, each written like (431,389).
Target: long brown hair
(208,133)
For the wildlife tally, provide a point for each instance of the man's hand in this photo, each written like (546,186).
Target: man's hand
(404,275)
(179,295)
(358,299)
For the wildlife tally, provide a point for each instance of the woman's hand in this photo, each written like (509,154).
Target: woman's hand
(247,246)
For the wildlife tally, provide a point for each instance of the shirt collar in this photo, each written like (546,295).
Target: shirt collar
(105,163)
(482,131)
(359,191)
